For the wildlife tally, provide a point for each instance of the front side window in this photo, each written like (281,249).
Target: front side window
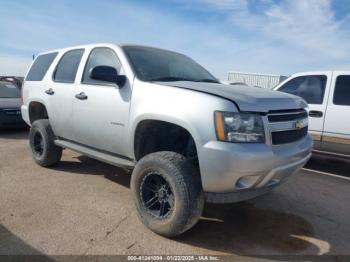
(100,56)
(40,67)
(152,64)
(9,90)
(67,68)
(310,88)
(342,91)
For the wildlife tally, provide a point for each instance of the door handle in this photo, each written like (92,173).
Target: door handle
(315,113)
(81,96)
(50,91)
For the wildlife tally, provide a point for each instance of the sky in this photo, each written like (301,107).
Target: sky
(263,36)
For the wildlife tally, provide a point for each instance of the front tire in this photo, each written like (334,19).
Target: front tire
(167,192)
(41,139)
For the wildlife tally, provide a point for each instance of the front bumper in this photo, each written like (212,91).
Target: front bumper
(242,168)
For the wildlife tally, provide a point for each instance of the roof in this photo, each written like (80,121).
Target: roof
(101,44)
(322,72)
(75,47)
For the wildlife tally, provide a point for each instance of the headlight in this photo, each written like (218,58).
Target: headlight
(239,127)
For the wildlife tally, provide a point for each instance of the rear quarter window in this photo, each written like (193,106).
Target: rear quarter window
(40,67)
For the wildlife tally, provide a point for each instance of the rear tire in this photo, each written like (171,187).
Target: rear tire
(167,192)
(41,139)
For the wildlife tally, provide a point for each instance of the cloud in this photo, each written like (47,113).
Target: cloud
(309,24)
(223,5)
(13,65)
(303,35)
(266,36)
(45,29)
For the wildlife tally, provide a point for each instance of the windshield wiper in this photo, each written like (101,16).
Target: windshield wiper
(168,79)
(174,79)
(208,81)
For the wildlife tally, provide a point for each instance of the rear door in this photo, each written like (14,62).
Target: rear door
(314,89)
(336,137)
(60,91)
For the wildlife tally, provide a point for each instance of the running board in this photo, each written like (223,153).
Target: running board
(104,157)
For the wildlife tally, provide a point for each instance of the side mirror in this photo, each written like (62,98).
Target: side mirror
(107,74)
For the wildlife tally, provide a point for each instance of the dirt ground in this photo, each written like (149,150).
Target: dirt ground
(83,206)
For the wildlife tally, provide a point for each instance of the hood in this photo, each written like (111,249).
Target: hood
(10,103)
(252,99)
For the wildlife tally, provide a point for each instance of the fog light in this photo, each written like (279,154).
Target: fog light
(247,182)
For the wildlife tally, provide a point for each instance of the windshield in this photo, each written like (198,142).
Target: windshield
(152,64)
(9,90)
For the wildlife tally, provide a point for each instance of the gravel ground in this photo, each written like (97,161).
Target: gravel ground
(82,206)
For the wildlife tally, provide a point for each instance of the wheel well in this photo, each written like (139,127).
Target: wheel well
(37,111)
(154,136)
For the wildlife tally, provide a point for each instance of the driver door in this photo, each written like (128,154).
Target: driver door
(101,109)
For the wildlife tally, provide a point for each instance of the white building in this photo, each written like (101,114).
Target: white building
(255,79)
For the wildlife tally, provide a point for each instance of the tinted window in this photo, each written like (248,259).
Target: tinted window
(152,64)
(100,57)
(342,91)
(310,88)
(40,67)
(68,66)
(9,90)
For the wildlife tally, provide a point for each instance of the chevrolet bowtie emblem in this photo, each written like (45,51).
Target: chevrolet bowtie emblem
(299,124)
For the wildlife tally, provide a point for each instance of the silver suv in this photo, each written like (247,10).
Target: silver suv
(187,138)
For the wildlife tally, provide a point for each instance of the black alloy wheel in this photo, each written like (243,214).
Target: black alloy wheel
(156,195)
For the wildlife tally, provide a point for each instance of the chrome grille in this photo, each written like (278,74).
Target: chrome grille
(287,126)
(284,116)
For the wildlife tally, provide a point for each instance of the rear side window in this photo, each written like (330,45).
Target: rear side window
(310,88)
(342,91)
(67,68)
(100,56)
(40,67)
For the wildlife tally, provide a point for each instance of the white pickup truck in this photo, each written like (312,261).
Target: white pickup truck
(328,96)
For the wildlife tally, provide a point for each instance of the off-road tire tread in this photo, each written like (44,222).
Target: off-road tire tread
(187,178)
(52,153)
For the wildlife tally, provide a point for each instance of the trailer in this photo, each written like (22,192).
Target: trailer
(255,79)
